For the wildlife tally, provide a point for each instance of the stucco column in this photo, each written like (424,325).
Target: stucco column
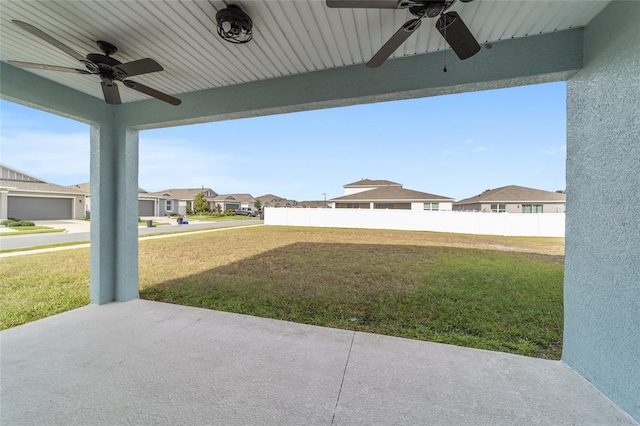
(114,212)
(4,199)
(602,266)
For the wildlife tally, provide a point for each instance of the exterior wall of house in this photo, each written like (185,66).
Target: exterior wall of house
(513,207)
(602,265)
(352,205)
(350,191)
(442,206)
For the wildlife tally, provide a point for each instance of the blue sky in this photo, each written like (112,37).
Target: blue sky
(455,145)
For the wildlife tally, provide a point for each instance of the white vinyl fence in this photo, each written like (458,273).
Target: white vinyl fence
(507,224)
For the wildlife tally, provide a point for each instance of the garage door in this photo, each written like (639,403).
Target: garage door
(146,208)
(39,208)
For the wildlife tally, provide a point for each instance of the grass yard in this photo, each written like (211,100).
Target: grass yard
(497,293)
(23,230)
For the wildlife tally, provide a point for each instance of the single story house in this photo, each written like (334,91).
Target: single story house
(149,203)
(514,199)
(270,200)
(186,197)
(156,203)
(23,196)
(234,201)
(384,194)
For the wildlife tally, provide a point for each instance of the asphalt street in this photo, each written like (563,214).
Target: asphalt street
(34,240)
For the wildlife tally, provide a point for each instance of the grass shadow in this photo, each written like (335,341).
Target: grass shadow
(481,298)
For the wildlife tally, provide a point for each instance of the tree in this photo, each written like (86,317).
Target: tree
(200,203)
(257,205)
(218,208)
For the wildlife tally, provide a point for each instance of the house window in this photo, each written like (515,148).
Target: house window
(498,208)
(532,208)
(383,205)
(432,206)
(168,205)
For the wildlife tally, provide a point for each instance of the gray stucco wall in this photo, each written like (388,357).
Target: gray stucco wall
(602,272)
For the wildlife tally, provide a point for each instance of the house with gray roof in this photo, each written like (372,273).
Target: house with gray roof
(234,201)
(270,200)
(384,194)
(514,199)
(186,198)
(150,204)
(27,197)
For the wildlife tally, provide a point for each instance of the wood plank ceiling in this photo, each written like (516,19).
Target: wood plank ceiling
(290,36)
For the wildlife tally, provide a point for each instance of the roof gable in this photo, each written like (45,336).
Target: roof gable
(33,186)
(515,193)
(10,173)
(371,183)
(391,193)
(187,193)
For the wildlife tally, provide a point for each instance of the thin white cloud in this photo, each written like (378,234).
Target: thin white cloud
(176,163)
(481,149)
(447,152)
(469,141)
(55,157)
(554,150)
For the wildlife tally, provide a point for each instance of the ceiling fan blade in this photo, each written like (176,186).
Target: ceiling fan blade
(457,35)
(141,66)
(369,4)
(394,42)
(111,93)
(46,37)
(47,67)
(152,92)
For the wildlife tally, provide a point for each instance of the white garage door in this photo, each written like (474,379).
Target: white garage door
(146,208)
(39,208)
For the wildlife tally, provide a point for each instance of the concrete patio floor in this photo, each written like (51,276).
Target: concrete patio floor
(143,362)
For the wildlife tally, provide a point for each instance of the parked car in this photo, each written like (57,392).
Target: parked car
(247,211)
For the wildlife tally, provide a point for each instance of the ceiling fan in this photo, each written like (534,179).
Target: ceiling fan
(450,25)
(103,65)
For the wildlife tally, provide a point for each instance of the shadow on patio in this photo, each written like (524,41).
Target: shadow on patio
(143,362)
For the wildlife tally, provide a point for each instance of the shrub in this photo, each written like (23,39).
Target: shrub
(14,222)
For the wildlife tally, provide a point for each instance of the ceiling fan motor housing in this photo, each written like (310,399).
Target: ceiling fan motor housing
(234,25)
(431,8)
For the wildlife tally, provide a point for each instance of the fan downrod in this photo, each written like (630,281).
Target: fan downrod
(108,48)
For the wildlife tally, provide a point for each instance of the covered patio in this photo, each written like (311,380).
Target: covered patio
(142,362)
(121,360)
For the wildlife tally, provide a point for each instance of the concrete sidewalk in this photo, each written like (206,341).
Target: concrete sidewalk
(145,362)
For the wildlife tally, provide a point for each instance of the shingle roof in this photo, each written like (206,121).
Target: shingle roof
(369,182)
(84,187)
(237,197)
(269,198)
(187,193)
(514,193)
(31,186)
(391,193)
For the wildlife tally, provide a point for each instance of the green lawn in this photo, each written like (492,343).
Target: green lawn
(22,230)
(496,293)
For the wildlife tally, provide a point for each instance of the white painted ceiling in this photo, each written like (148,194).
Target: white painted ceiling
(290,36)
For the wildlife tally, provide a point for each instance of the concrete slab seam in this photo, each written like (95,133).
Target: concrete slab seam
(344,373)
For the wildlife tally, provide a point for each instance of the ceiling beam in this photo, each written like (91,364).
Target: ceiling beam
(529,60)
(27,88)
